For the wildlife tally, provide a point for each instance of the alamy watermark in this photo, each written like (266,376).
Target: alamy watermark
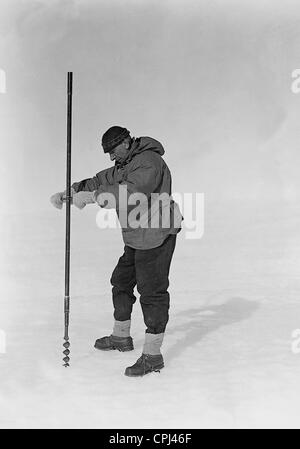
(138,210)
(2,82)
(2,341)
(295,345)
(295,86)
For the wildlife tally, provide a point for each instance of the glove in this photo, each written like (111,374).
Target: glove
(81,199)
(59,198)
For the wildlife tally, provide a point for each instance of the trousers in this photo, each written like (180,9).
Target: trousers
(148,270)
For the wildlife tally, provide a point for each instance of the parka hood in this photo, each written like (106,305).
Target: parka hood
(141,144)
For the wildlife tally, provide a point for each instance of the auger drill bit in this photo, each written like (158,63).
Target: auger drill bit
(68,200)
(66,344)
(66,359)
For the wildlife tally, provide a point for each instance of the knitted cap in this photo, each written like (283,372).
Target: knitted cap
(113,137)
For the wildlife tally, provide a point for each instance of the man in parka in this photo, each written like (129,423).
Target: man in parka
(149,243)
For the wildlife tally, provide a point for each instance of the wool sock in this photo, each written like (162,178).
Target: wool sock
(121,328)
(152,343)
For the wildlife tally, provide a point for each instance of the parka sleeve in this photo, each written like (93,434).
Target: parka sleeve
(103,178)
(142,179)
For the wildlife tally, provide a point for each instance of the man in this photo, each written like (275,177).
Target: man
(149,237)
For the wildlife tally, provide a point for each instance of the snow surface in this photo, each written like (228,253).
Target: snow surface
(228,347)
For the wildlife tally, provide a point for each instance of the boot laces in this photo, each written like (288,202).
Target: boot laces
(142,361)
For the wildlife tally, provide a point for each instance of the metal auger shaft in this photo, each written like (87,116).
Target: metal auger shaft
(66,345)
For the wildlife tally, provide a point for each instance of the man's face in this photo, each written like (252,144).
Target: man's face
(119,153)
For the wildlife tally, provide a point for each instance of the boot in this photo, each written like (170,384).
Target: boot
(112,342)
(145,364)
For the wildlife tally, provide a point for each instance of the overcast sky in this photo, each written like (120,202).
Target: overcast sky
(210,79)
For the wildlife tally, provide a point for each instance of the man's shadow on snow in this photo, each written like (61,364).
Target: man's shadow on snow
(198,322)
